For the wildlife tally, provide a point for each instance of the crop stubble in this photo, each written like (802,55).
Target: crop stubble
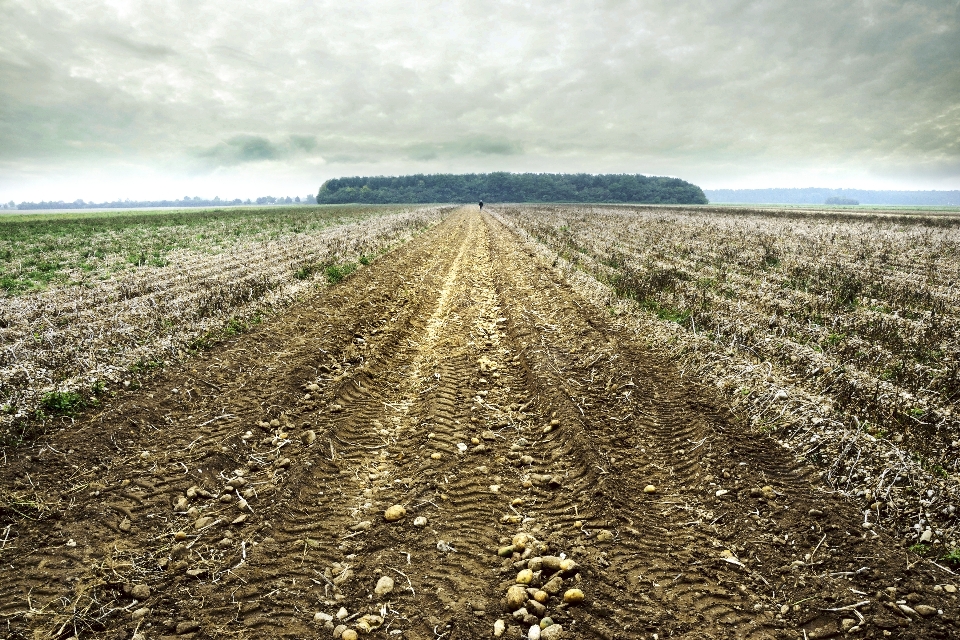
(460,337)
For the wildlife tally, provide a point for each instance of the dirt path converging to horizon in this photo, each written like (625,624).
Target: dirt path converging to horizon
(449,444)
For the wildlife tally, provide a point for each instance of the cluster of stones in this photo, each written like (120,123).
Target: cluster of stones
(542,583)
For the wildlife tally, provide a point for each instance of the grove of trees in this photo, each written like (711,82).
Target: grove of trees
(510,187)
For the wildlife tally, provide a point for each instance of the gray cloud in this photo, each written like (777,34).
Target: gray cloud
(712,90)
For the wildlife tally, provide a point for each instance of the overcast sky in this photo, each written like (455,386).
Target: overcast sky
(128,99)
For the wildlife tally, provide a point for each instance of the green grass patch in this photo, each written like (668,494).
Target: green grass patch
(336,273)
(62,402)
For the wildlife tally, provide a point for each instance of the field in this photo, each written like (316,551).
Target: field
(609,422)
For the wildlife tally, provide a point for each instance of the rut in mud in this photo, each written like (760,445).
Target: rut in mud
(464,380)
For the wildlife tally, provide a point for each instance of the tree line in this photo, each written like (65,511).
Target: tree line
(186,201)
(510,187)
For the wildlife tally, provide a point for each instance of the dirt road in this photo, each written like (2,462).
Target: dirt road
(458,377)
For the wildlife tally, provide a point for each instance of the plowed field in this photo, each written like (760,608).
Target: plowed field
(244,495)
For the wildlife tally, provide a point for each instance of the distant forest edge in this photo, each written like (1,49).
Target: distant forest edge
(186,201)
(812,195)
(510,187)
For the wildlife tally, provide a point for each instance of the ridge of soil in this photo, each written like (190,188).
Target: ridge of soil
(461,378)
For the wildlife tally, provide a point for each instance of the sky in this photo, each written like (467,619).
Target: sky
(114,99)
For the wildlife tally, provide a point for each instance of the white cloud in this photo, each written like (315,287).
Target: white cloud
(718,92)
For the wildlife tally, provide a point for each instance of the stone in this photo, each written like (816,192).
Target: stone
(546,622)
(140,592)
(420,521)
(550,563)
(541,596)
(536,608)
(553,632)
(362,526)
(384,586)
(516,597)
(553,586)
(534,632)
(926,536)
(649,489)
(925,610)
(525,577)
(604,536)
(349,634)
(435,456)
(498,628)
(847,623)
(505,552)
(125,525)
(308,437)
(573,596)
(535,564)
(140,613)
(521,540)
(338,630)
(949,588)
(239,519)
(394,513)
(768,493)
(203,522)
(342,613)
(320,617)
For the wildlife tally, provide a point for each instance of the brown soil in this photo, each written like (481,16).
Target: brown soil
(459,337)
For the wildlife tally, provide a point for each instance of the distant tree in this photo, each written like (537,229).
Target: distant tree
(839,200)
(297,199)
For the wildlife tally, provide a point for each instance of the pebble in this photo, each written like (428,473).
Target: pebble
(546,622)
(140,613)
(338,631)
(649,489)
(926,536)
(498,628)
(525,577)
(925,610)
(349,634)
(534,633)
(394,513)
(435,456)
(420,521)
(554,585)
(239,519)
(308,437)
(521,540)
(125,525)
(541,596)
(553,632)
(573,596)
(342,613)
(321,617)
(516,597)
(384,586)
(505,552)
(202,522)
(604,536)
(949,588)
(140,592)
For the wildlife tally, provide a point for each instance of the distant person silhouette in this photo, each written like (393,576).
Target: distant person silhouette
(481,205)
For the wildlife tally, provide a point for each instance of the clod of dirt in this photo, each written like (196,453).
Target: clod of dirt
(604,536)
(125,525)
(140,592)
(420,521)
(308,437)
(187,626)
(384,586)
(573,596)
(394,513)
(516,597)
(140,613)
(649,489)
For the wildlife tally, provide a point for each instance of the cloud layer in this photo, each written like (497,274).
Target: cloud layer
(719,92)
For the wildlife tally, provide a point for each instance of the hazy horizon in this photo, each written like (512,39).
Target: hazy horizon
(103,100)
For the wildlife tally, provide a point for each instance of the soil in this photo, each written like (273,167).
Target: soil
(463,379)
